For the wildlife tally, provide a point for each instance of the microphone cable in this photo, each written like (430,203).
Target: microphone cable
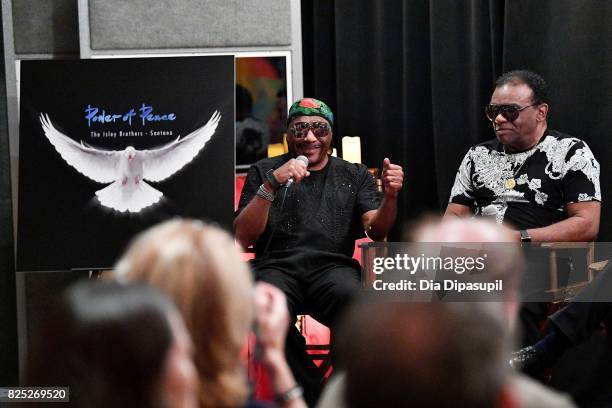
(282,206)
(304,160)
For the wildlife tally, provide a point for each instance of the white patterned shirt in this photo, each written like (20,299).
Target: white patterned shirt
(529,189)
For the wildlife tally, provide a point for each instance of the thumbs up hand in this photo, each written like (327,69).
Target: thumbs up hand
(392,178)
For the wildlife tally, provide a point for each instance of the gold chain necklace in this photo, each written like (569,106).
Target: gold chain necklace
(510,183)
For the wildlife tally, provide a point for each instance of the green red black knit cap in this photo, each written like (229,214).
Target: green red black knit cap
(310,107)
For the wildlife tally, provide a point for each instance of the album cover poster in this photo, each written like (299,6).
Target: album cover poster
(110,147)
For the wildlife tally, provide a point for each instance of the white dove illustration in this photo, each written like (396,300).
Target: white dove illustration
(128,169)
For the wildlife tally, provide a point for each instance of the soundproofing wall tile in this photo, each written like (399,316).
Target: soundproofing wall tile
(144,24)
(46,26)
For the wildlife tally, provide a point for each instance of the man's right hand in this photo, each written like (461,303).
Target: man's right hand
(295,169)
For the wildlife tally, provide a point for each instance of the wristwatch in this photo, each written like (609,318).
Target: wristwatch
(525,236)
(272,180)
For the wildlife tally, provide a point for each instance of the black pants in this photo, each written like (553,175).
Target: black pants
(592,306)
(534,296)
(323,293)
(580,318)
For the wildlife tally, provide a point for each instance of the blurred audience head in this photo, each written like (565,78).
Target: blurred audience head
(505,259)
(201,269)
(115,346)
(424,355)
(453,229)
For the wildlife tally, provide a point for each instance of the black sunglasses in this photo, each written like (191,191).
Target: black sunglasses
(300,129)
(509,112)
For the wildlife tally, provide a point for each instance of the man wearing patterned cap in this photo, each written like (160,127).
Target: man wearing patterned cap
(304,231)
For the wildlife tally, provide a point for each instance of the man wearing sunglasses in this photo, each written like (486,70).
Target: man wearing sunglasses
(541,182)
(303,219)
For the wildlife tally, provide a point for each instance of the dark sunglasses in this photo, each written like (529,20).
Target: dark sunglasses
(509,112)
(300,129)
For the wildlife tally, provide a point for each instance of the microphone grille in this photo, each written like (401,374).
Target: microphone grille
(303,159)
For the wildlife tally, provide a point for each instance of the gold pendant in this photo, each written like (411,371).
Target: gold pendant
(510,183)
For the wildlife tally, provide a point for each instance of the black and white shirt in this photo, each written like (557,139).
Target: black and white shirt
(529,189)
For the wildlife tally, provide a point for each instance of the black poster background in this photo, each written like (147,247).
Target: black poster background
(61,225)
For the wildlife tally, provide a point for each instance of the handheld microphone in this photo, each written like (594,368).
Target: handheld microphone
(304,160)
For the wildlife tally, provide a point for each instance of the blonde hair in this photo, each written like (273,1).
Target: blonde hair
(200,268)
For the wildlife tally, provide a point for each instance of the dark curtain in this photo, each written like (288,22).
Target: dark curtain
(8,321)
(412,78)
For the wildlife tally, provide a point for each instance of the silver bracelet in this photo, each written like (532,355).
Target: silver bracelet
(265,194)
(291,394)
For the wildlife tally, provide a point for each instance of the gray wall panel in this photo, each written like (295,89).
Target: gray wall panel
(46,27)
(8,310)
(142,24)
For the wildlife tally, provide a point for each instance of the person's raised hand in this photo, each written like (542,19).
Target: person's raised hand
(272,319)
(294,168)
(392,178)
